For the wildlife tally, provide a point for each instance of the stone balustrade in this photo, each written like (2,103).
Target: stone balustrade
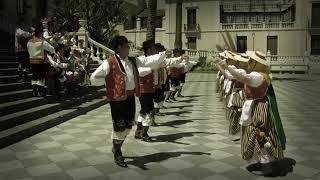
(256,26)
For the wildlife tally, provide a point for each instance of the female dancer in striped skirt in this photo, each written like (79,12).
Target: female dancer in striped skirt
(262,135)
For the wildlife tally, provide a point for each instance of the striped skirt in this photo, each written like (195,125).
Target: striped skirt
(262,119)
(235,114)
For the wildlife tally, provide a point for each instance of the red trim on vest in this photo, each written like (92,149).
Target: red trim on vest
(174,72)
(256,92)
(147,83)
(115,82)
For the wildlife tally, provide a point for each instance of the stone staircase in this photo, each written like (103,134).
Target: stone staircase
(22,115)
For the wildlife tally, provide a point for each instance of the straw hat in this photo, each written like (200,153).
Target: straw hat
(223,55)
(243,58)
(230,55)
(258,57)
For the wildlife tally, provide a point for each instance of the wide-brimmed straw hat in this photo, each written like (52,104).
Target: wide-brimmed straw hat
(230,55)
(223,55)
(242,58)
(258,57)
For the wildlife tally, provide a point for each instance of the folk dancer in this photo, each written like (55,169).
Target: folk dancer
(120,74)
(262,134)
(38,48)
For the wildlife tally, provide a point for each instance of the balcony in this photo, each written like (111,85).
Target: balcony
(191,27)
(254,7)
(256,26)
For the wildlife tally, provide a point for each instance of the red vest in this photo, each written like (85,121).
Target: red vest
(115,81)
(237,84)
(147,83)
(174,72)
(256,92)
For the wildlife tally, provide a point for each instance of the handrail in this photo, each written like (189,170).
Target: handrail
(100,45)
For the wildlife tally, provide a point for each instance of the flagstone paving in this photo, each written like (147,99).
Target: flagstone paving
(192,141)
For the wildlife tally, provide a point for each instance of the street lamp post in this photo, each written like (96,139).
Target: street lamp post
(253,35)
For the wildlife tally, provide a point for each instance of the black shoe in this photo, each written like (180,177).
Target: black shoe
(168,101)
(146,139)
(180,95)
(119,160)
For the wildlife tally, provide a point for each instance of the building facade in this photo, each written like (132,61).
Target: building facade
(284,27)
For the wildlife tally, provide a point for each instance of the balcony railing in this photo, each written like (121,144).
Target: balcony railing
(254,7)
(191,27)
(256,26)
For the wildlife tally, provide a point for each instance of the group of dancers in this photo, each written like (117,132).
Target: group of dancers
(244,82)
(146,77)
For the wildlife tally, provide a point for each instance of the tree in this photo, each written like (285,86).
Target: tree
(102,16)
(178,39)
(151,25)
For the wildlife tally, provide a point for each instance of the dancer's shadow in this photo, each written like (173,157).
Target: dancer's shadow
(141,161)
(176,123)
(181,107)
(178,113)
(188,100)
(279,168)
(172,138)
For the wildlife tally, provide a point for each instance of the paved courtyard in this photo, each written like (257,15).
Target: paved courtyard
(192,141)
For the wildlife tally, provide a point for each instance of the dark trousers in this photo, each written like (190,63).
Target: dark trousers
(146,103)
(123,113)
(39,71)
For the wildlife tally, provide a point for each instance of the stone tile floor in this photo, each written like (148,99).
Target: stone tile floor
(192,141)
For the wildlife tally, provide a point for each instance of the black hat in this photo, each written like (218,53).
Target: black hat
(118,41)
(38,28)
(148,44)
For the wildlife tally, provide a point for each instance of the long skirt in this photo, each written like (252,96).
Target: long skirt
(235,113)
(263,120)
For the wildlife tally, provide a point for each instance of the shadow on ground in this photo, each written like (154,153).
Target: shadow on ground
(142,161)
(279,168)
(172,138)
(176,123)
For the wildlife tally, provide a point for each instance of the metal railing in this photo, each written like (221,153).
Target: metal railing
(191,27)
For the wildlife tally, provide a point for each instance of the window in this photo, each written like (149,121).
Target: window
(315,15)
(272,44)
(21,7)
(192,42)
(315,45)
(241,44)
(192,16)
(144,22)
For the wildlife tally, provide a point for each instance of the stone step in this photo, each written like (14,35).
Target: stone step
(8,79)
(23,104)
(26,130)
(30,114)
(4,64)
(8,71)
(15,95)
(14,86)
(8,58)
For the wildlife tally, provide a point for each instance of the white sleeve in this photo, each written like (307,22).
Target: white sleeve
(172,62)
(153,61)
(52,62)
(228,75)
(46,35)
(143,71)
(20,32)
(48,47)
(256,79)
(97,77)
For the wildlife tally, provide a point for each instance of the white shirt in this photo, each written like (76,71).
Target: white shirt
(256,79)
(145,66)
